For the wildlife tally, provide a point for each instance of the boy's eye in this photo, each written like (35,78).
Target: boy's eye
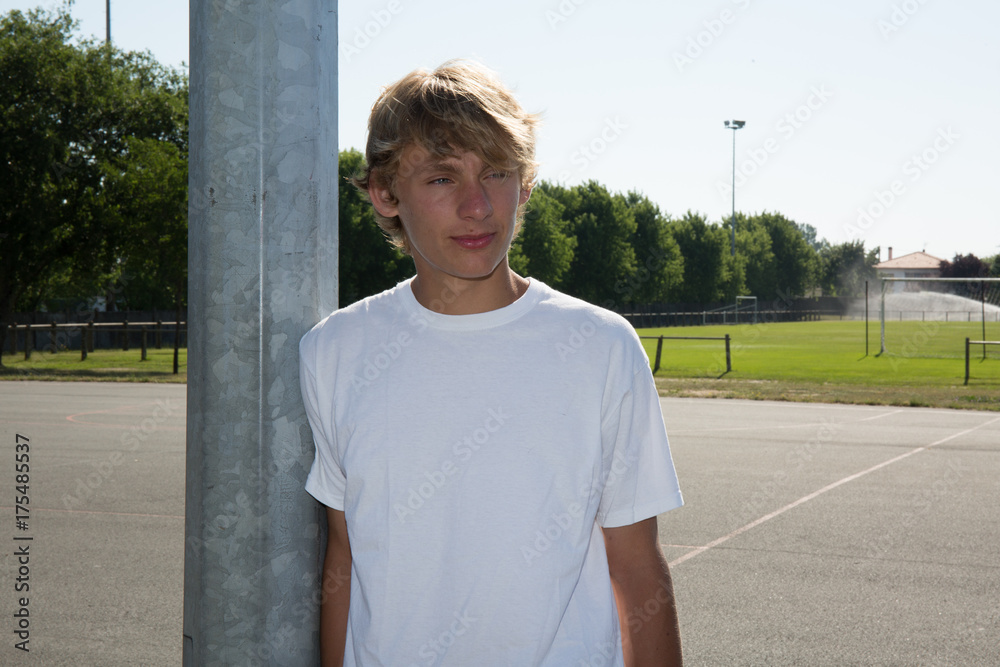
(502,175)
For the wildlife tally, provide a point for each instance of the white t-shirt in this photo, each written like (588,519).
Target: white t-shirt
(476,458)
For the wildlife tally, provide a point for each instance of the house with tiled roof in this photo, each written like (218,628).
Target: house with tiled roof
(913,265)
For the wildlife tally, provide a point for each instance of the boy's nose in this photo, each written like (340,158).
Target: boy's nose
(474,203)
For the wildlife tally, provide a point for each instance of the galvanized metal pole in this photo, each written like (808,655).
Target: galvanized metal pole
(262,270)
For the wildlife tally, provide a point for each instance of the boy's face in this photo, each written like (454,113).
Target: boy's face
(458,213)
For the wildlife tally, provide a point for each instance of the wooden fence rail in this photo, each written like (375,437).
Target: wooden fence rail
(659,347)
(59,334)
(968,345)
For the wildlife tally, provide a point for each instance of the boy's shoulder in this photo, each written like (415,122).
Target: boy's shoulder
(358,317)
(571,308)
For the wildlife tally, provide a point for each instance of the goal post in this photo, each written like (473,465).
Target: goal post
(918,314)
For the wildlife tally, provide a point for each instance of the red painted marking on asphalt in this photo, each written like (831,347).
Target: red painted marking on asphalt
(73,418)
(828,487)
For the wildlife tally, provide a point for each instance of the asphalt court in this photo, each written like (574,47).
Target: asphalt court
(811,534)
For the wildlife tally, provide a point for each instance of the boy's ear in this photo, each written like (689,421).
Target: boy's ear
(381,197)
(525,195)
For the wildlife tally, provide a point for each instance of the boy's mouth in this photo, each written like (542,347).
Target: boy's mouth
(474,242)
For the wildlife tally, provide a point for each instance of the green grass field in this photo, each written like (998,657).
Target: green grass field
(826,361)
(821,361)
(106,365)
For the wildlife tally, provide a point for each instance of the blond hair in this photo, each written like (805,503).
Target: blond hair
(460,106)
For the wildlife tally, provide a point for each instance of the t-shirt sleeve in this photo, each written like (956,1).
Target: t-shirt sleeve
(641,481)
(326,481)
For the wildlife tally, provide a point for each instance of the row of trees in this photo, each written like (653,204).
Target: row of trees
(621,249)
(93,162)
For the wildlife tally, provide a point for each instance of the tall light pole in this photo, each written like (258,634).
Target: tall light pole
(734,125)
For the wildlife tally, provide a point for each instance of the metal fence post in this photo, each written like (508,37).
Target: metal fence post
(143,344)
(967,361)
(729,360)
(125,336)
(27,342)
(659,349)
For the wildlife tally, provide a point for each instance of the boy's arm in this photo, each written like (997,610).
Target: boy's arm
(644,595)
(336,595)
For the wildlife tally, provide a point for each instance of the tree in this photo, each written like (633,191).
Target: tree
(795,260)
(603,226)
(844,268)
(705,248)
(994,263)
(72,116)
(150,185)
(753,272)
(543,249)
(964,266)
(659,265)
(811,235)
(368,263)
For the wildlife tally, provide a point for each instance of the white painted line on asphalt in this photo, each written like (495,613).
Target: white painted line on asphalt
(879,416)
(154,516)
(828,487)
(761,427)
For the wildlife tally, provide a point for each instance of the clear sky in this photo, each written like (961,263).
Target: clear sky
(868,119)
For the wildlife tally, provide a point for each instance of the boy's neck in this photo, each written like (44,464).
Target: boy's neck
(450,295)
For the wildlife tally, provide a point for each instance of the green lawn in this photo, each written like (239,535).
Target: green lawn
(826,361)
(802,361)
(107,365)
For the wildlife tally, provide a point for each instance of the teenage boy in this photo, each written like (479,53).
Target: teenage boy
(491,452)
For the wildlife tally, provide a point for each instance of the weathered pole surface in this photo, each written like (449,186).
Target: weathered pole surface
(262,270)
